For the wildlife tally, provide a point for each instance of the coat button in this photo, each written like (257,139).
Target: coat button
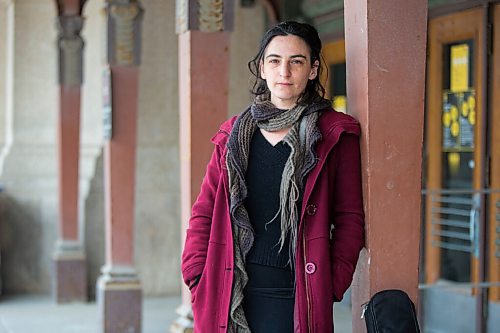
(310,268)
(311,209)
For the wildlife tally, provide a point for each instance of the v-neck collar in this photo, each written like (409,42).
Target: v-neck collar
(280,147)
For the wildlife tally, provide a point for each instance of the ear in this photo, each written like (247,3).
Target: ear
(261,69)
(314,70)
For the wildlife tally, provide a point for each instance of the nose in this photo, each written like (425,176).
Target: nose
(285,69)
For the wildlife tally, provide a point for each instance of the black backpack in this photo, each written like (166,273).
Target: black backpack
(390,311)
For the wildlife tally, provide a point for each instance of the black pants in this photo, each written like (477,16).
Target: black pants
(269,300)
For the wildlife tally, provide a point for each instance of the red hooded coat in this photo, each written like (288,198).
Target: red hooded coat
(330,237)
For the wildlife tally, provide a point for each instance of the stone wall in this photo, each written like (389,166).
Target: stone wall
(29,177)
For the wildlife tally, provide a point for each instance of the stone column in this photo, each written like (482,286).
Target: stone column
(119,292)
(385,53)
(70,276)
(204,32)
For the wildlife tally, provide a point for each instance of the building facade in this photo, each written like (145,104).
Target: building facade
(460,225)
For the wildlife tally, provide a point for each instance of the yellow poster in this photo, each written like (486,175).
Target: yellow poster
(340,104)
(459,71)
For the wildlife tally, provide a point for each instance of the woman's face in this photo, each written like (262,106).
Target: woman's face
(287,67)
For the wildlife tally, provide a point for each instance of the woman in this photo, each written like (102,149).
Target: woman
(277,228)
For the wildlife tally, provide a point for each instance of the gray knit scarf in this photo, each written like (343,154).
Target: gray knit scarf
(303,134)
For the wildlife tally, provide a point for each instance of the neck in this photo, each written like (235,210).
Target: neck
(283,105)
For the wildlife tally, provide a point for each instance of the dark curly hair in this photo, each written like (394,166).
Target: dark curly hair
(314,89)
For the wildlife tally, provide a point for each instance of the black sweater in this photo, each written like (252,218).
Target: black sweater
(269,294)
(263,176)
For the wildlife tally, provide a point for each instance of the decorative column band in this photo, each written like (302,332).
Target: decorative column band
(124,32)
(70,44)
(204,15)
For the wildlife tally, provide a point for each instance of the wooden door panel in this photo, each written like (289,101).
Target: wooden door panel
(445,30)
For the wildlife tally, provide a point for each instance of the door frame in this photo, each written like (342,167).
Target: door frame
(444,30)
(333,53)
(494,165)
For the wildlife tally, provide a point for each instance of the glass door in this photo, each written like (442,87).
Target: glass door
(335,83)
(453,140)
(461,241)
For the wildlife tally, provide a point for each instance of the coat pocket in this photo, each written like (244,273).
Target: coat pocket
(207,294)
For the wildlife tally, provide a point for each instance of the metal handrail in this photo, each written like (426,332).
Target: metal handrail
(451,223)
(459,209)
(458,201)
(460,191)
(451,211)
(452,234)
(453,246)
(487,284)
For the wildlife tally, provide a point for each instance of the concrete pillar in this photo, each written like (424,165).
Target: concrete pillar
(203,28)
(385,52)
(119,292)
(70,276)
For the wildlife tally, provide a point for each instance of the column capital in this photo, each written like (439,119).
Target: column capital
(124,32)
(71,45)
(70,7)
(69,26)
(204,15)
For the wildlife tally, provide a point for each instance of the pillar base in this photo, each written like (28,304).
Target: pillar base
(70,273)
(184,323)
(119,299)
